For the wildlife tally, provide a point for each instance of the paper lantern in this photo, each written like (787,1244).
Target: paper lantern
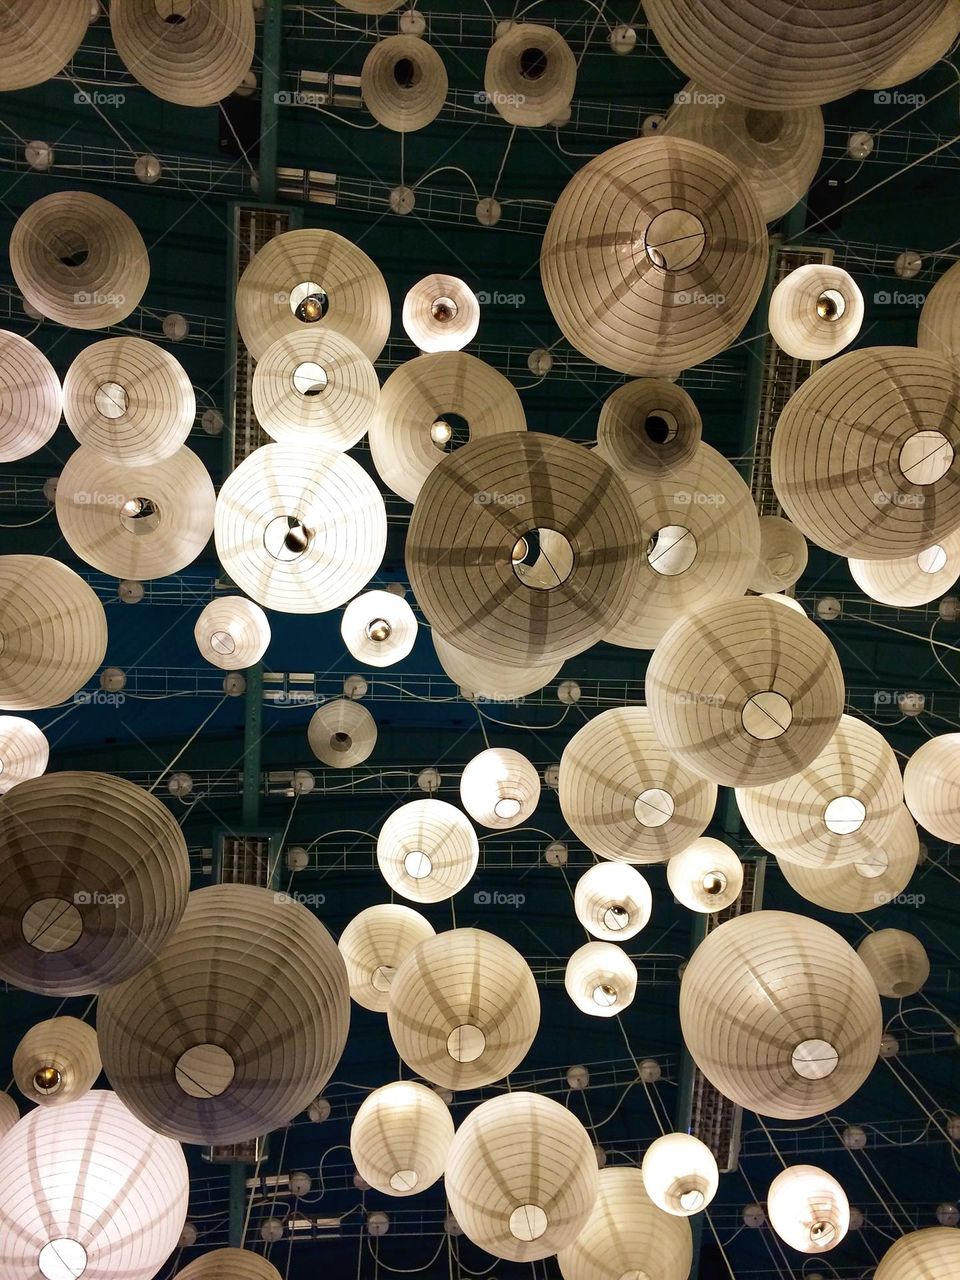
(379,628)
(403,83)
(488,679)
(236,1025)
(745,693)
(24,751)
(530,74)
(866,454)
(921,54)
(194,61)
(374,945)
(95,873)
(463,1009)
(341,733)
(440,313)
(312,275)
(783,555)
(427,850)
(780,1014)
(930,1254)
(370,6)
(931,786)
(232,632)
(706,876)
(897,961)
(30,398)
(39,39)
(9,1114)
(54,632)
(939,329)
(57,1061)
(627,1235)
(612,901)
(315,387)
(79,260)
(632,240)
(229,1264)
(815,311)
(913,580)
(300,528)
(521,1177)
(680,1174)
(789,602)
(808,1208)
(648,426)
(500,788)
(430,406)
(89,1191)
(624,795)
(400,1137)
(600,979)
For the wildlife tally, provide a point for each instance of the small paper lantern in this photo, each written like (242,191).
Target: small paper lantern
(612,901)
(600,979)
(931,786)
(680,1174)
(31,399)
(379,628)
(490,680)
(374,945)
(897,961)
(427,850)
(930,1254)
(403,83)
(342,733)
(57,1061)
(441,313)
(706,876)
(648,426)
(232,632)
(913,580)
(808,1208)
(24,751)
(815,311)
(530,74)
(500,788)
(229,1264)
(783,555)
(39,39)
(400,1137)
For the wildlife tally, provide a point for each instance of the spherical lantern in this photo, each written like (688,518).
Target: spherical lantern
(378,628)
(630,242)
(400,1137)
(808,1209)
(79,260)
(706,876)
(530,74)
(746,692)
(680,1174)
(57,1061)
(912,580)
(441,313)
(236,1026)
(485,678)
(229,1264)
(931,1254)
(341,733)
(780,1014)
(403,83)
(374,945)
(521,1177)
(427,850)
(39,39)
(30,398)
(897,961)
(939,329)
(600,979)
(89,1191)
(24,751)
(500,788)
(921,54)
(95,874)
(9,1114)
(612,901)
(648,426)
(783,555)
(463,1009)
(931,786)
(232,632)
(815,311)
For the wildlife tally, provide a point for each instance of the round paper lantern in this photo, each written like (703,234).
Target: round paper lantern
(374,945)
(632,240)
(57,1061)
(783,555)
(706,876)
(808,1208)
(427,850)
(238,1023)
(400,1137)
(432,405)
(24,751)
(921,54)
(939,329)
(815,311)
(441,313)
(780,1014)
(301,278)
(463,1010)
(315,387)
(931,1254)
(746,692)
(648,426)
(530,75)
(914,579)
(931,786)
(627,1235)
(229,1264)
(680,1174)
(624,795)
(341,733)
(897,961)
(600,979)
(88,1191)
(485,678)
(95,874)
(500,788)
(788,602)
(232,632)
(370,6)
(300,528)
(54,632)
(9,1114)
(79,260)
(866,454)
(30,398)
(521,1177)
(612,901)
(379,628)
(403,83)
(39,39)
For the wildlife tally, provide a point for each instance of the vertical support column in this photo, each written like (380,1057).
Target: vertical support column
(269,104)
(683,1115)
(238,1203)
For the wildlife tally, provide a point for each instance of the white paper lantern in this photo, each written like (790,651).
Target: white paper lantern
(680,1174)
(939,328)
(897,961)
(24,751)
(707,876)
(40,37)
(427,850)
(379,628)
(912,580)
(374,945)
(342,733)
(500,788)
(808,1208)
(229,1264)
(400,1137)
(530,74)
(931,786)
(600,979)
(648,426)
(815,311)
(930,1254)
(485,678)
(612,901)
(441,313)
(9,1114)
(403,83)
(232,632)
(31,399)
(783,555)
(57,1061)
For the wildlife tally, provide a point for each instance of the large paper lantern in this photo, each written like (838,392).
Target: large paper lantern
(680,1174)
(229,1264)
(427,850)
(341,733)
(521,1177)
(30,398)
(57,1061)
(920,54)
(488,679)
(780,1014)
(9,1114)
(808,1208)
(783,555)
(374,945)
(238,1023)
(612,901)
(400,1137)
(500,788)
(648,426)
(39,39)
(913,580)
(600,979)
(939,328)
(463,1009)
(379,628)
(232,632)
(24,751)
(897,961)
(530,74)
(706,876)
(815,311)
(403,83)
(931,786)
(95,878)
(930,1254)
(441,313)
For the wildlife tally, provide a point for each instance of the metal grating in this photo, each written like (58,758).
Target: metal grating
(247,859)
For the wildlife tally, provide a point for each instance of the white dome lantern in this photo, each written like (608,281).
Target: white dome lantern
(808,1209)
(374,945)
(707,876)
(232,632)
(400,1138)
(612,901)
(680,1174)
(500,788)
(600,979)
(57,1061)
(378,628)
(427,850)
(897,961)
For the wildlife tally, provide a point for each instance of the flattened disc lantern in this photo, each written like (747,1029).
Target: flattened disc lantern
(530,74)
(57,1061)
(39,39)
(342,733)
(378,628)
(487,678)
(939,329)
(815,311)
(441,313)
(648,426)
(24,751)
(403,83)
(911,580)
(232,632)
(31,399)
(427,850)
(374,944)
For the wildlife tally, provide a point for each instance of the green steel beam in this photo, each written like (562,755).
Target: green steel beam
(252,733)
(269,99)
(238,1204)
(683,1115)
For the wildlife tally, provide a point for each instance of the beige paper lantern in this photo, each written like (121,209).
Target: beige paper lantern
(680,1174)
(379,628)
(307,277)
(500,788)
(420,403)
(403,83)
(815,311)
(921,54)
(808,1208)
(530,74)
(706,876)
(939,329)
(600,979)
(31,399)
(400,1138)
(783,556)
(24,751)
(913,580)
(196,60)
(54,632)
(649,426)
(57,1061)
(488,679)
(315,387)
(341,733)
(612,901)
(9,1114)
(897,961)
(300,528)
(931,786)
(374,945)
(654,256)
(521,1177)
(89,1191)
(441,313)
(745,693)
(229,1264)
(236,1026)
(625,796)
(79,260)
(39,39)
(788,602)
(370,6)
(232,632)
(463,1009)
(930,1254)
(780,1014)
(627,1235)
(427,850)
